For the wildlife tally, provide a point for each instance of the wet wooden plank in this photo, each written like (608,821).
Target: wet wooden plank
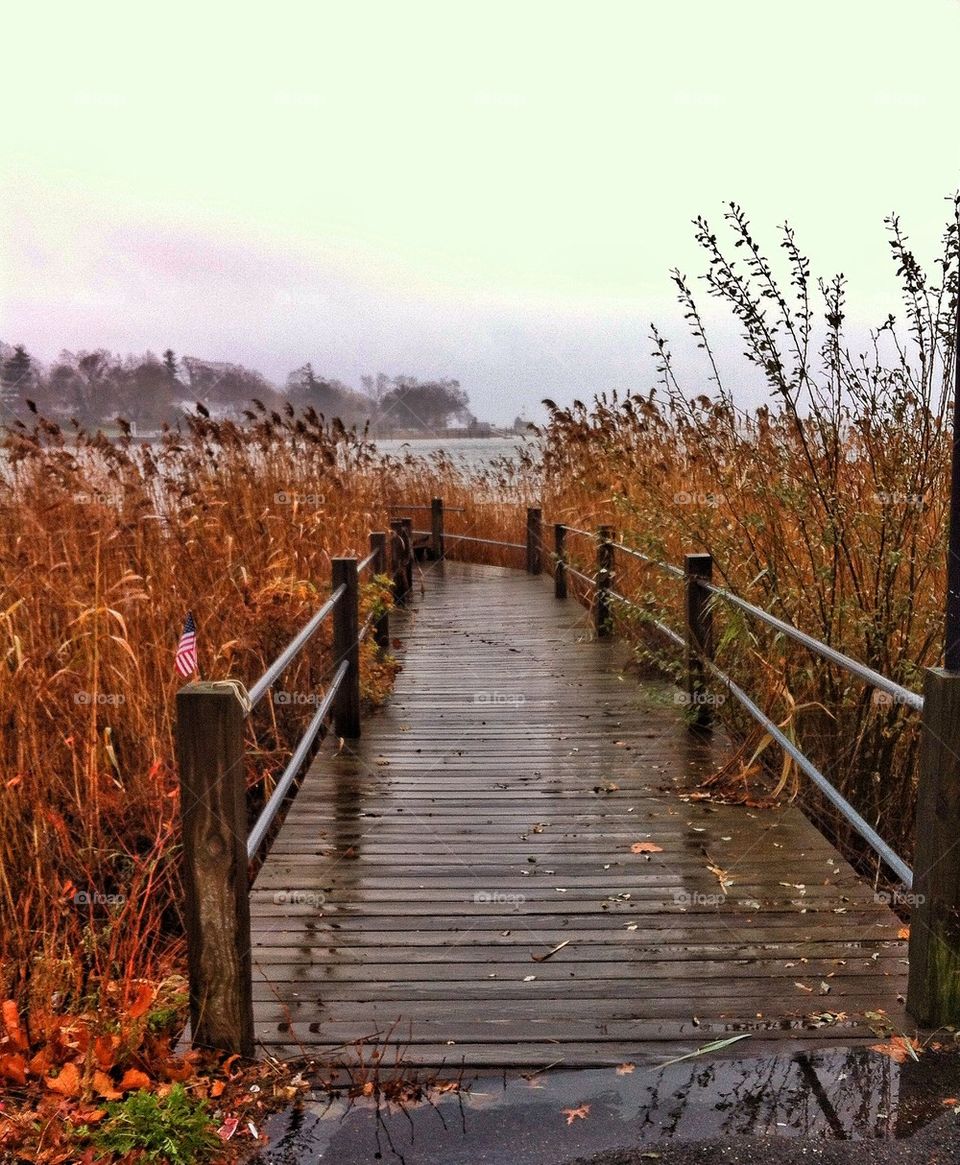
(488,813)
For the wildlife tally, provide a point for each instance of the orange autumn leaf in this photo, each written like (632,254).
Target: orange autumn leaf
(133,1079)
(67,1083)
(903,932)
(13,1067)
(105,1050)
(625,1069)
(141,1002)
(216,1088)
(105,1087)
(178,1071)
(646,847)
(11,1021)
(42,1062)
(89,1116)
(899,1049)
(573,1114)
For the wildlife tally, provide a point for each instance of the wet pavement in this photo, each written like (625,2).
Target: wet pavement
(808,1106)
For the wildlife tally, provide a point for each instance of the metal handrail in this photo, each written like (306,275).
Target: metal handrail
(675,636)
(591,582)
(365,562)
(904,695)
(666,566)
(268,813)
(869,835)
(885,852)
(404,506)
(485,541)
(860,670)
(582,533)
(365,629)
(283,660)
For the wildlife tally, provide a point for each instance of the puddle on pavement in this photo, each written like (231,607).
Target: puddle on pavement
(513,1120)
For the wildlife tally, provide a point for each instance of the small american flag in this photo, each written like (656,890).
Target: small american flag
(187,648)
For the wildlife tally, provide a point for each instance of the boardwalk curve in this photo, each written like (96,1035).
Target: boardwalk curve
(491,812)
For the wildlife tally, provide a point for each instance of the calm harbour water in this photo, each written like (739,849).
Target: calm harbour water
(471,451)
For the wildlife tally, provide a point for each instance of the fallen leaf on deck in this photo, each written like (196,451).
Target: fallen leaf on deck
(903,932)
(646,847)
(574,1114)
(625,1069)
(899,1049)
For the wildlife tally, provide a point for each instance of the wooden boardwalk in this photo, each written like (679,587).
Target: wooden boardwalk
(491,812)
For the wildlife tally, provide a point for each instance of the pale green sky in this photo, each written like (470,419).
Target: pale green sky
(492,191)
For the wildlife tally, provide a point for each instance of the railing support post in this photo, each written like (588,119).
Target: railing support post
(933,985)
(346,704)
(381,628)
(408,554)
(398,559)
(436,526)
(601,606)
(213,815)
(699,635)
(560,560)
(534,539)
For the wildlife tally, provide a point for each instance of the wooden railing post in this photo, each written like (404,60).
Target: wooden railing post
(436,526)
(346,703)
(534,540)
(601,606)
(378,546)
(699,635)
(213,814)
(408,554)
(933,984)
(398,559)
(560,560)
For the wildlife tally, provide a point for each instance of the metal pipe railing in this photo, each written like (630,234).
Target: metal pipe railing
(289,653)
(486,541)
(663,628)
(866,831)
(665,566)
(860,670)
(268,814)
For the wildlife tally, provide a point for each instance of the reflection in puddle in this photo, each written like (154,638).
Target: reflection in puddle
(513,1120)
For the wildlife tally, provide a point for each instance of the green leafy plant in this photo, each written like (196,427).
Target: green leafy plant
(175,1129)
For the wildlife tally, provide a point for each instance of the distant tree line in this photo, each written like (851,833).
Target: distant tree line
(96,387)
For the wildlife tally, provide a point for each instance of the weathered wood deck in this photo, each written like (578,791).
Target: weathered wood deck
(488,814)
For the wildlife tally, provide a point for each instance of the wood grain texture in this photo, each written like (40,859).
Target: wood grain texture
(491,813)
(213,811)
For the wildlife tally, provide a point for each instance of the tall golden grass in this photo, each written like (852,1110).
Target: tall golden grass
(105,547)
(827,505)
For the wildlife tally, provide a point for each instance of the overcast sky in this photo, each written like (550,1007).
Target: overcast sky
(488,191)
